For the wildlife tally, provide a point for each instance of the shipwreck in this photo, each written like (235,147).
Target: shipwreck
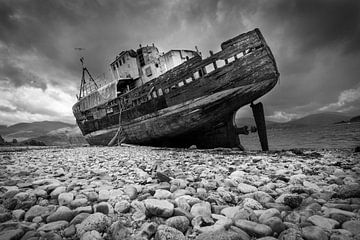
(176,98)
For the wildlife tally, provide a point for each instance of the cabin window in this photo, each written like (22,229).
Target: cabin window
(148,71)
(231,59)
(154,94)
(114,67)
(160,92)
(220,63)
(109,110)
(196,75)
(166,90)
(188,80)
(239,55)
(209,68)
(180,84)
(117,64)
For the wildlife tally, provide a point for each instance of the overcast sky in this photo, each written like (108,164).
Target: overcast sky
(316,44)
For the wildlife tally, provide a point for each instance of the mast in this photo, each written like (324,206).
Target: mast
(86,87)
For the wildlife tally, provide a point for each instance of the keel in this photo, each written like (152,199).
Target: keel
(258,112)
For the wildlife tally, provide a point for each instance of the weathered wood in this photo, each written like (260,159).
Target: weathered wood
(258,112)
(200,107)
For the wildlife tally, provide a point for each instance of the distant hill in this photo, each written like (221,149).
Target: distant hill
(251,122)
(318,119)
(23,131)
(355,119)
(63,136)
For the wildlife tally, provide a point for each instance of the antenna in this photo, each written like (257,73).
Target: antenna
(85,89)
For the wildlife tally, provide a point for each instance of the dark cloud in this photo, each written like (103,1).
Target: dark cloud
(18,76)
(315,42)
(317,24)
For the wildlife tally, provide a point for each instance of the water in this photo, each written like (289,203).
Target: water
(330,136)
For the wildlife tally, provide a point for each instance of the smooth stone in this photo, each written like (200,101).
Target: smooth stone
(330,211)
(65,198)
(230,212)
(246,188)
(122,206)
(70,231)
(253,228)
(182,212)
(271,212)
(162,194)
(102,207)
(242,235)
(18,214)
(80,202)
(96,221)
(352,226)
(338,236)
(79,218)
(104,195)
(93,196)
(119,231)
(297,179)
(162,177)
(349,191)
(87,209)
(251,203)
(340,218)
(91,235)
(275,224)
(237,174)
(314,233)
(62,213)
(12,234)
(323,222)
(165,232)
(161,208)
(148,229)
(57,191)
(290,234)
(140,210)
(293,217)
(40,193)
(53,226)
(37,219)
(181,223)
(51,236)
(131,191)
(293,201)
(222,234)
(262,197)
(202,209)
(5,217)
(35,211)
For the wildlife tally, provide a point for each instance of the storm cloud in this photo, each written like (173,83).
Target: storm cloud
(315,43)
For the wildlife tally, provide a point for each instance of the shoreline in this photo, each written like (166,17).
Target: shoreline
(141,192)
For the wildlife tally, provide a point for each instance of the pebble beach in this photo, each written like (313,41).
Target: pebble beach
(135,192)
